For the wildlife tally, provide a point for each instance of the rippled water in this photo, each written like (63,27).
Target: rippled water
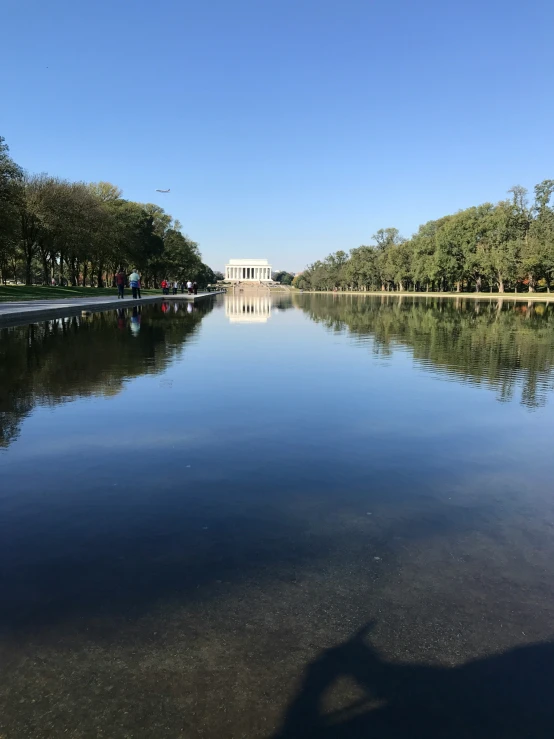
(294,516)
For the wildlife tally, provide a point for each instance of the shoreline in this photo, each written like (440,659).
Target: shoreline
(526,297)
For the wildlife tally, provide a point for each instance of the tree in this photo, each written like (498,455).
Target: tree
(285,278)
(386,238)
(538,252)
(182,257)
(10,193)
(502,246)
(361,271)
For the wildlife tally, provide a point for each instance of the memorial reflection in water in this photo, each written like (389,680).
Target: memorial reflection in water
(245,308)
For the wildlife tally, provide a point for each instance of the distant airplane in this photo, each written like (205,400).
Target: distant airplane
(162,190)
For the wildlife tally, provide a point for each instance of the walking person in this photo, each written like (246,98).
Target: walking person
(120,282)
(134,280)
(195,287)
(138,290)
(164,286)
(189,287)
(175,287)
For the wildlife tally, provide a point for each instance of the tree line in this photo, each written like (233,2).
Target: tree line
(81,233)
(507,246)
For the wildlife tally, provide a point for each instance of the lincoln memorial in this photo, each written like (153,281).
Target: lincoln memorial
(248,270)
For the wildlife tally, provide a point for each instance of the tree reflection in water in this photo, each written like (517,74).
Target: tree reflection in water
(499,343)
(66,358)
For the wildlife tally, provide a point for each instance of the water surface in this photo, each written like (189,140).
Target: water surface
(289,516)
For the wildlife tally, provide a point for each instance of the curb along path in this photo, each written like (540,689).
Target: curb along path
(12,314)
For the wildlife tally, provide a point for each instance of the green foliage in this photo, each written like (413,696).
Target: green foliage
(81,234)
(507,245)
(285,278)
(10,178)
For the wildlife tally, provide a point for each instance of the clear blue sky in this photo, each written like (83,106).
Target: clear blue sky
(285,129)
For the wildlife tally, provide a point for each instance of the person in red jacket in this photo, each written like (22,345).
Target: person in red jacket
(164,287)
(120,282)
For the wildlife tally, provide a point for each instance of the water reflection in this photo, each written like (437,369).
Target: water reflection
(65,358)
(243,307)
(499,343)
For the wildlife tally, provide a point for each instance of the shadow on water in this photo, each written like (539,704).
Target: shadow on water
(504,696)
(53,574)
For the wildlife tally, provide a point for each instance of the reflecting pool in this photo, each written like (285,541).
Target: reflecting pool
(279,515)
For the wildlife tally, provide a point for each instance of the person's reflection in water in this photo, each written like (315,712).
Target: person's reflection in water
(135,321)
(189,308)
(165,307)
(503,696)
(121,322)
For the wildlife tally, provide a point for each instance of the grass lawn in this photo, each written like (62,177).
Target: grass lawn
(40,292)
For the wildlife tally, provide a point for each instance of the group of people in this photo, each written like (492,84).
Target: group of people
(134,284)
(167,285)
(175,286)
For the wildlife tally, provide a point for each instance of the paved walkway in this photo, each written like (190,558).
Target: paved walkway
(24,311)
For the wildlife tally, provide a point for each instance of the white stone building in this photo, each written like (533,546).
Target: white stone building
(248,270)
